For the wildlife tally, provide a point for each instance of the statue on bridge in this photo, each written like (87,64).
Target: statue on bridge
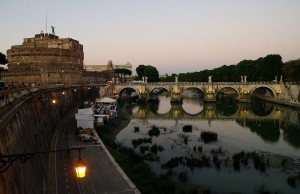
(209,79)
(244,78)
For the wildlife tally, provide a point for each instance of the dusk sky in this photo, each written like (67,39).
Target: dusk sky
(172,35)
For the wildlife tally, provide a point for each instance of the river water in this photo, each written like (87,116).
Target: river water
(258,129)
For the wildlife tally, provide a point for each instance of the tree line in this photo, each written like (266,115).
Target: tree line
(266,68)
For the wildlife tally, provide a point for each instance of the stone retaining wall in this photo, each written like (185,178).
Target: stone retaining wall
(29,126)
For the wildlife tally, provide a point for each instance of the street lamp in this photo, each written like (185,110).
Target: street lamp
(53,101)
(7,160)
(80,167)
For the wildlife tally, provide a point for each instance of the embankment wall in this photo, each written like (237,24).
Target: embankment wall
(29,126)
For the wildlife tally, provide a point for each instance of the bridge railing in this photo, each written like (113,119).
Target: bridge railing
(197,83)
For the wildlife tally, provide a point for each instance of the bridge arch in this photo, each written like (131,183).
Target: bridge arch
(264,90)
(155,88)
(228,87)
(120,90)
(191,88)
(229,91)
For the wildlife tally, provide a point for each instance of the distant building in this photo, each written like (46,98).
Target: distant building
(110,67)
(45,59)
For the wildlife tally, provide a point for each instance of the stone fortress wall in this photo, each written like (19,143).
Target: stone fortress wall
(45,59)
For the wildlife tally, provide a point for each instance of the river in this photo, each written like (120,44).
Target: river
(257,147)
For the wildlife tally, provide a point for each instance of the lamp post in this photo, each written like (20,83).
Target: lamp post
(7,160)
(80,167)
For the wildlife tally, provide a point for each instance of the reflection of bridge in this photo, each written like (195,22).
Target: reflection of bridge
(242,89)
(211,112)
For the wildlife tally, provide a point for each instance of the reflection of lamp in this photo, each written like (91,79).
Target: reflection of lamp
(80,167)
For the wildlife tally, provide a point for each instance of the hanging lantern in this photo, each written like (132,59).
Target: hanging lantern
(80,167)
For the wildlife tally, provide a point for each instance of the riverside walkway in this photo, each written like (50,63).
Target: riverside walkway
(103,174)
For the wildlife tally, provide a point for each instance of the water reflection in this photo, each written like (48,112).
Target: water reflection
(192,106)
(267,130)
(261,131)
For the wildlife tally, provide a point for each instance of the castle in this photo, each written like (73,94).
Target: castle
(47,59)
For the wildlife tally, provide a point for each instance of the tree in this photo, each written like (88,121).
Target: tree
(140,71)
(261,69)
(3,59)
(152,73)
(291,70)
(148,71)
(123,72)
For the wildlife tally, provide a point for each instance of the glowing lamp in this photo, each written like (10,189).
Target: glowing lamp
(80,167)
(53,101)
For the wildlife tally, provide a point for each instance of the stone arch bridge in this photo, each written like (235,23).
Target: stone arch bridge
(243,90)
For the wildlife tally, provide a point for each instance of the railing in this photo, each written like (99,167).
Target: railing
(197,83)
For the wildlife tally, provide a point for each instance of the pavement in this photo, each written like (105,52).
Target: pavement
(103,174)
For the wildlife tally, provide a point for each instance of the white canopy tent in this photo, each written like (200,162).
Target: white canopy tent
(85,118)
(105,100)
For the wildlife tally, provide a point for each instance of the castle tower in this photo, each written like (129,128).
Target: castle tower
(55,59)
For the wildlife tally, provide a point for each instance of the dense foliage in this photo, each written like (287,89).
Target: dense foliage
(291,70)
(147,71)
(3,59)
(261,69)
(123,71)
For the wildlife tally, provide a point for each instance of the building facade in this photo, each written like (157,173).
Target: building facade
(45,59)
(110,67)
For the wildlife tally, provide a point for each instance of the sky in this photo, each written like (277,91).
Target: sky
(175,36)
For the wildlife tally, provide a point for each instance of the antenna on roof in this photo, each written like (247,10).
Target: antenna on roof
(46,22)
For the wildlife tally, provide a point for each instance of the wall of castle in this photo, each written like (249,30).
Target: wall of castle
(30,128)
(22,59)
(43,77)
(64,78)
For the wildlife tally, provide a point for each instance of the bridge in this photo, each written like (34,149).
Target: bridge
(241,90)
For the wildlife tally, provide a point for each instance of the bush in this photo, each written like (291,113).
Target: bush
(154,131)
(187,128)
(208,136)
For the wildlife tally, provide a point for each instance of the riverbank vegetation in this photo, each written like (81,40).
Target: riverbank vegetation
(209,136)
(134,166)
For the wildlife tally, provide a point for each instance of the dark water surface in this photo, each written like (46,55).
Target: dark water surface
(271,131)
